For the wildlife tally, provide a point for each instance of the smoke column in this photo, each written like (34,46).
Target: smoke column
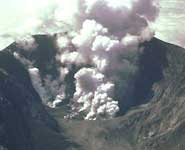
(103,31)
(102,39)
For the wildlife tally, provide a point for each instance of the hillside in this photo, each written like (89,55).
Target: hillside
(24,122)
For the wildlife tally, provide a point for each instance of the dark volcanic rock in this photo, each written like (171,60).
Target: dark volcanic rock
(20,105)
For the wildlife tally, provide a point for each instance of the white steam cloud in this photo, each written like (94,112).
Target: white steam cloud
(37,82)
(93,94)
(26,42)
(103,31)
(100,36)
(47,87)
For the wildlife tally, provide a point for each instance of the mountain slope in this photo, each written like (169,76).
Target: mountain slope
(24,122)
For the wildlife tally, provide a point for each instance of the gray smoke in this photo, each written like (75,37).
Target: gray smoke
(104,32)
(103,36)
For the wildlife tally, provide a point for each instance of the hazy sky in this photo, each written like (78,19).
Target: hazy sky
(21,16)
(171,22)
(14,17)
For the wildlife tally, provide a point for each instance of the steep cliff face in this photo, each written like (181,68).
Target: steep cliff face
(23,118)
(159,124)
(14,107)
(163,126)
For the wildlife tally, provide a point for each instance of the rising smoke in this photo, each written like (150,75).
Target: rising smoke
(102,39)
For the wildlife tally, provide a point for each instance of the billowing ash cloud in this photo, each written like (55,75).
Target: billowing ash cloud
(104,33)
(102,40)
(93,94)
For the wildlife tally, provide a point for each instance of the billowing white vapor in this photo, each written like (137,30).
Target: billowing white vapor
(93,94)
(104,32)
(49,86)
(102,40)
(37,82)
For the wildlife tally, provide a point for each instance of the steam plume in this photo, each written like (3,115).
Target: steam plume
(102,39)
(104,32)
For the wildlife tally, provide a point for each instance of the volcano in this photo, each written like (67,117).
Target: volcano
(150,118)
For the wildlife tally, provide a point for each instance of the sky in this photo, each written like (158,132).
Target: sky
(170,25)
(18,17)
